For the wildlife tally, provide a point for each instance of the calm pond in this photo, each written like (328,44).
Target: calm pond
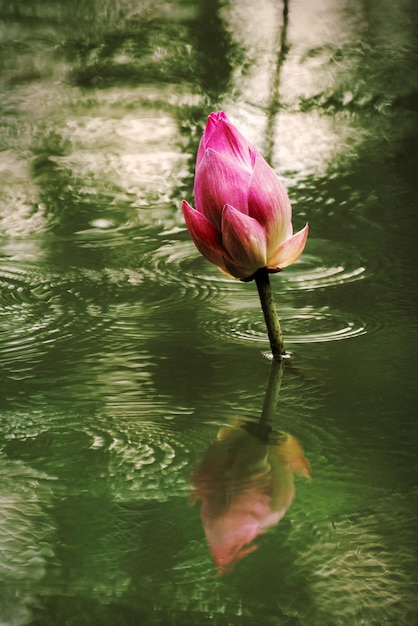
(146,437)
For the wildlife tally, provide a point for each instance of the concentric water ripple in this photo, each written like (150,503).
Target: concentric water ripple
(308,325)
(318,275)
(145,461)
(323,265)
(178,263)
(360,548)
(147,458)
(41,307)
(42,310)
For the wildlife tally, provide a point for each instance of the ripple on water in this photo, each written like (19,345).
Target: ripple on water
(178,266)
(358,555)
(318,275)
(177,263)
(324,265)
(23,317)
(40,309)
(307,325)
(41,305)
(26,538)
(147,457)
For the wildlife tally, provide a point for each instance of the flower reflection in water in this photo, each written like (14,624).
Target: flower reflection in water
(245,482)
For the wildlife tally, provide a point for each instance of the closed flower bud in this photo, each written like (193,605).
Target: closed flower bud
(242,220)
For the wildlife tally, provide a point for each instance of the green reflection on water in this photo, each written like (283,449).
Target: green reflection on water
(122,353)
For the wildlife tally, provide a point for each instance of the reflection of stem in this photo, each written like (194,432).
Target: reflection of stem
(274,102)
(270,313)
(272,392)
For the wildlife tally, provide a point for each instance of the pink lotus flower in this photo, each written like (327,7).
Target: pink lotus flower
(242,221)
(246,487)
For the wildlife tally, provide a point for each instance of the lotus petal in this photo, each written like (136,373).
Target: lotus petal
(289,251)
(269,203)
(220,181)
(244,239)
(205,236)
(225,138)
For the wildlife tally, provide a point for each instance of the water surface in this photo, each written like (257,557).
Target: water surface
(125,356)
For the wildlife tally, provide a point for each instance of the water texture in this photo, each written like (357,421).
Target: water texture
(141,422)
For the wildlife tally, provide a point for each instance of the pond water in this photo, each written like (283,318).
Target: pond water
(133,439)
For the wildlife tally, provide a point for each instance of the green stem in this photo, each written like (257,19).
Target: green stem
(270,313)
(272,392)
